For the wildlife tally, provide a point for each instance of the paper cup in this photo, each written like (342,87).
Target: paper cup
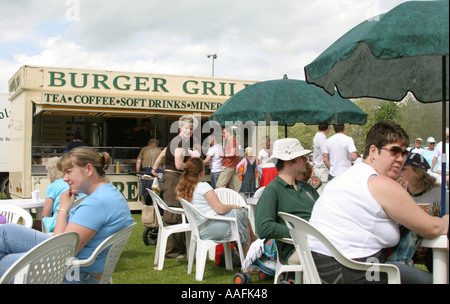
(36,195)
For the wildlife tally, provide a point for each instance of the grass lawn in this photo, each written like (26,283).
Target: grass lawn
(136,266)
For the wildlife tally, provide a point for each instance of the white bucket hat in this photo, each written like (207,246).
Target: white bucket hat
(287,149)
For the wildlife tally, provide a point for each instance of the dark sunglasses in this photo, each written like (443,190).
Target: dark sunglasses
(396,151)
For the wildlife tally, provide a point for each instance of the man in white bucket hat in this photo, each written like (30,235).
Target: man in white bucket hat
(285,194)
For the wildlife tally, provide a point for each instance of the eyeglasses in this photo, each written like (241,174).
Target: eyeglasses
(396,151)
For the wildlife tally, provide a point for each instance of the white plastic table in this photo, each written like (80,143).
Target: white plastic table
(440,258)
(26,203)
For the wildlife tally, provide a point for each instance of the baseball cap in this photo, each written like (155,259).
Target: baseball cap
(417,160)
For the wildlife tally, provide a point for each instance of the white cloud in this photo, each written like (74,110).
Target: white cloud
(254,39)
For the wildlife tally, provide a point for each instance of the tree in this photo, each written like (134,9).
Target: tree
(386,111)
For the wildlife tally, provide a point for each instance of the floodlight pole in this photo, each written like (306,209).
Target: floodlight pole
(214,56)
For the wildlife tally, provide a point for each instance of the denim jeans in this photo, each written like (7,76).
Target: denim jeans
(333,272)
(82,278)
(214,177)
(15,241)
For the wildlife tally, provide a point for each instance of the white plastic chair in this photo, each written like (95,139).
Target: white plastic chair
(199,247)
(252,207)
(230,197)
(116,243)
(227,196)
(46,263)
(14,213)
(300,229)
(259,192)
(165,231)
(281,268)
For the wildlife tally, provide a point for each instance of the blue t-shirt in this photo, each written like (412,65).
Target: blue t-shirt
(105,211)
(428,155)
(54,191)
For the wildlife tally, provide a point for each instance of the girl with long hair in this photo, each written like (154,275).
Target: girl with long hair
(203,197)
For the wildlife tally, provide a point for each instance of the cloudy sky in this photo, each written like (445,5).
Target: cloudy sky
(253,39)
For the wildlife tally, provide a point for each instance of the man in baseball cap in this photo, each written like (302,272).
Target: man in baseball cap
(418,161)
(286,194)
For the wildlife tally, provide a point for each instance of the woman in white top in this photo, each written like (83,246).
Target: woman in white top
(359,211)
(203,197)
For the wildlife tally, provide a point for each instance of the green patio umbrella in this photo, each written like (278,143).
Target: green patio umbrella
(288,101)
(359,64)
(404,50)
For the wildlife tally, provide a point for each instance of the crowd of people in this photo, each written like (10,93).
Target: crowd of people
(361,205)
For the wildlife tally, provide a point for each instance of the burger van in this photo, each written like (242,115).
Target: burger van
(4,144)
(49,106)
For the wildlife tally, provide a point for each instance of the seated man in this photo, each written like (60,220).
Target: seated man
(285,194)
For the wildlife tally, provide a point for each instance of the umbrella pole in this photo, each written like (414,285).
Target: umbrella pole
(444,152)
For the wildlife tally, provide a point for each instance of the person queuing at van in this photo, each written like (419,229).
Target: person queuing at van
(319,146)
(339,153)
(103,212)
(359,211)
(145,161)
(285,194)
(175,156)
(213,157)
(230,159)
(147,156)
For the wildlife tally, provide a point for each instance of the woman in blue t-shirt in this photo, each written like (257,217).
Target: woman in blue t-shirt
(101,213)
